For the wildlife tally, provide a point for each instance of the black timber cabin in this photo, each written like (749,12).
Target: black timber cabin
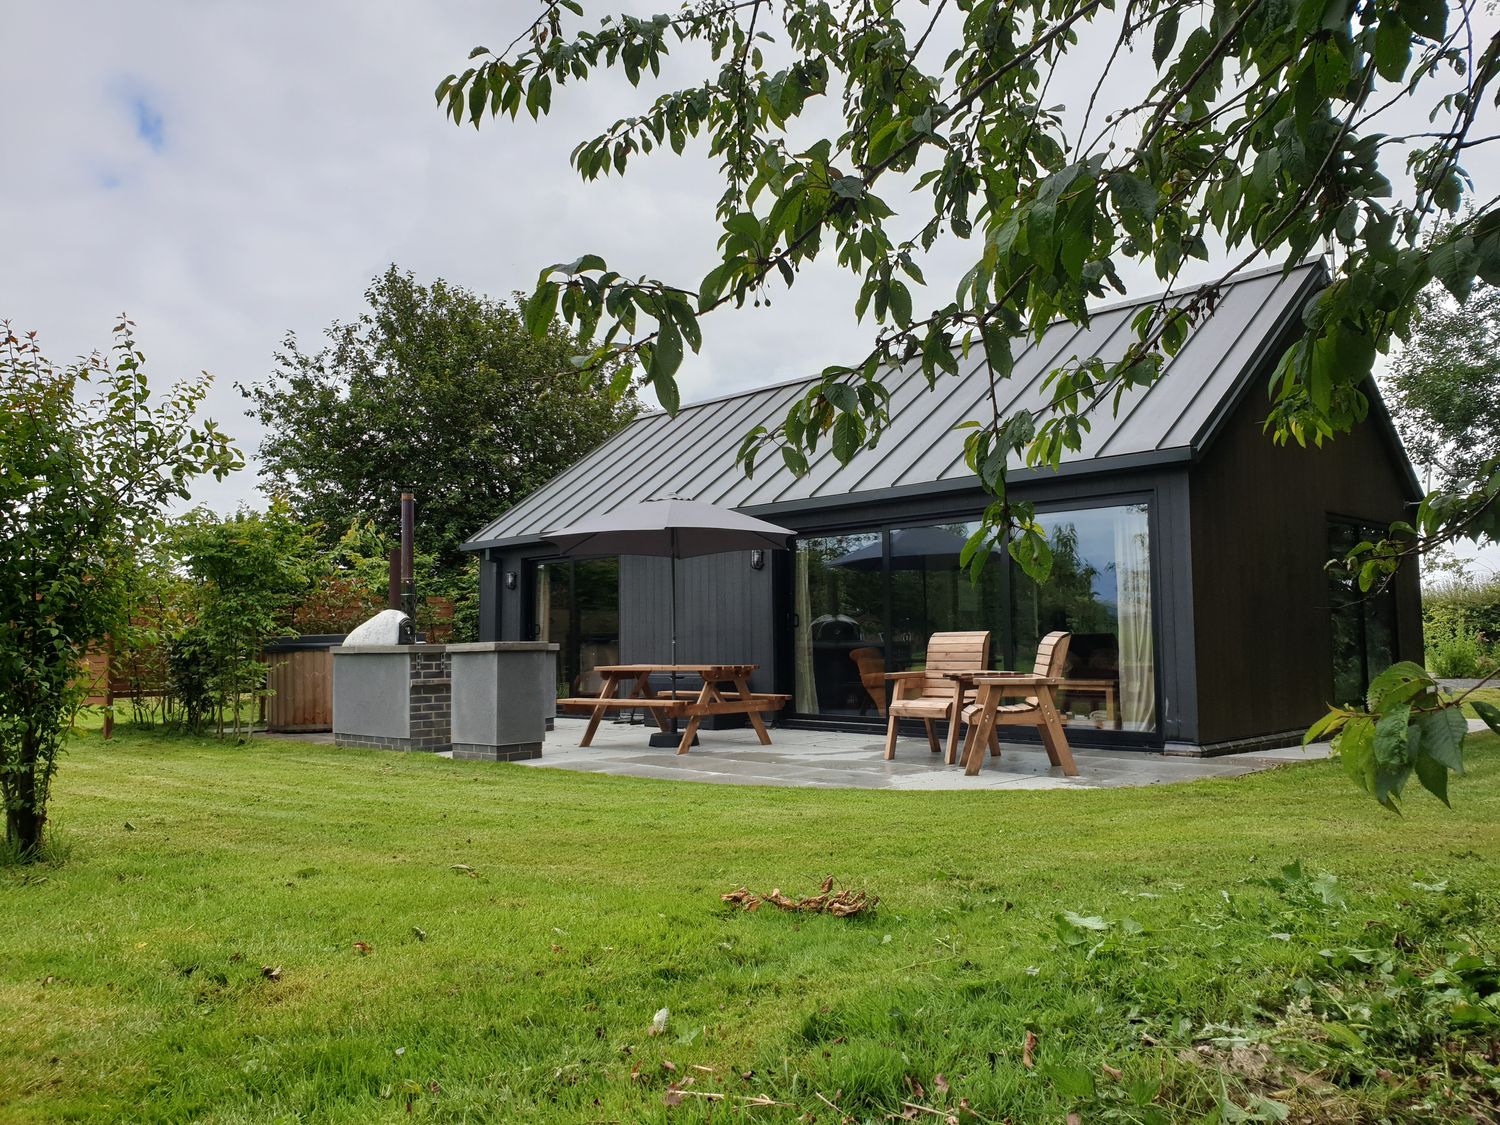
(1189,548)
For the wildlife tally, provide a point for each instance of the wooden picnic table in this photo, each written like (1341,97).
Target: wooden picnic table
(725,690)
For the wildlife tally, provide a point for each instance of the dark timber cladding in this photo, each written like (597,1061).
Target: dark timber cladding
(1242,641)
(1260,517)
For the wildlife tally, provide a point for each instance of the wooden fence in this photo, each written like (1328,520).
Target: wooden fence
(299,674)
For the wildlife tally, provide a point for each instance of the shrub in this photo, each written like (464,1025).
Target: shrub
(1461,624)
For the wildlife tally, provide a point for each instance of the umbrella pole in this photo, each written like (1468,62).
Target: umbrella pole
(671,738)
(674,625)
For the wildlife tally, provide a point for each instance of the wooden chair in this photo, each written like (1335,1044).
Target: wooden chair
(933,693)
(1037,707)
(871,665)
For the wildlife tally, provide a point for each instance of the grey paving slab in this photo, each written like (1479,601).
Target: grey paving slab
(823,759)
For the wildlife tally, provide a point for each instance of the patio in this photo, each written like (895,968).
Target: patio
(844,760)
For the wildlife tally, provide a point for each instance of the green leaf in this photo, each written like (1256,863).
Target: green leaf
(1033,554)
(1428,18)
(900,303)
(1489,713)
(848,187)
(1400,683)
(667,357)
(1392,49)
(1326,727)
(1390,737)
(1443,735)
(1136,201)
(1433,775)
(847,438)
(1165,37)
(540,308)
(1356,747)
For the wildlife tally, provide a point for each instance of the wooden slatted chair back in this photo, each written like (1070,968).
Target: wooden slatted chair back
(954,652)
(1051,659)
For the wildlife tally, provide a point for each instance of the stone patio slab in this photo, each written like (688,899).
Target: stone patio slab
(831,759)
(817,759)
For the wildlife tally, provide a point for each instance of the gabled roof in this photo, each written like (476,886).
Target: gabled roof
(693,454)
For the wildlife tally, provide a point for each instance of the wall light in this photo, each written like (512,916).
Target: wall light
(511,579)
(757,560)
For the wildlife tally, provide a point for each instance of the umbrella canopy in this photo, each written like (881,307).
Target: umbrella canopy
(912,548)
(677,529)
(668,526)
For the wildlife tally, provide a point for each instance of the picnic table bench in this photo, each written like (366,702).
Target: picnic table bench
(725,691)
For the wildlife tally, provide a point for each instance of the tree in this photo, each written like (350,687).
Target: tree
(84,488)
(1264,129)
(245,574)
(1445,385)
(435,389)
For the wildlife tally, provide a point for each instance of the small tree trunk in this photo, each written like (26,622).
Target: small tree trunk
(23,824)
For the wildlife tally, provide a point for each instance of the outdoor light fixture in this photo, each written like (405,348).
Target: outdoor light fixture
(757,560)
(511,579)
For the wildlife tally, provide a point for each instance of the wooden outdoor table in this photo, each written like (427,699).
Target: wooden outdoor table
(1106,688)
(725,691)
(991,690)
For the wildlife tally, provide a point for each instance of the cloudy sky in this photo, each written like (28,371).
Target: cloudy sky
(226,173)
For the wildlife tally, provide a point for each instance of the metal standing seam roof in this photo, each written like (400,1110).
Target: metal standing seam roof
(692,455)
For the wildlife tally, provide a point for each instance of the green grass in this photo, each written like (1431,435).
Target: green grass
(1490,695)
(133,985)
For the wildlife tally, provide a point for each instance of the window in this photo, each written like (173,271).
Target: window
(867,602)
(1363,624)
(840,621)
(1100,591)
(576,604)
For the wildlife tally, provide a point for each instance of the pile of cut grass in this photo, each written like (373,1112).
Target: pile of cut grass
(198,954)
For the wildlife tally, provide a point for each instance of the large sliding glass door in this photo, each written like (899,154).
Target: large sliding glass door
(839,625)
(867,602)
(577,606)
(1100,592)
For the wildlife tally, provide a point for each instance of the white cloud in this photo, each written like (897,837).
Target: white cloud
(226,173)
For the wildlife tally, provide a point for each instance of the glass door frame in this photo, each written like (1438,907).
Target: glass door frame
(569,648)
(786,674)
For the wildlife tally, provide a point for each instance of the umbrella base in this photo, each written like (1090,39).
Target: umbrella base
(667,738)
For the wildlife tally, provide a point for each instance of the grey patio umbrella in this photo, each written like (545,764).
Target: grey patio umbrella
(670,527)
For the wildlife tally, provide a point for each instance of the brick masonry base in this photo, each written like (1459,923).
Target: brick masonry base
(514,752)
(374,742)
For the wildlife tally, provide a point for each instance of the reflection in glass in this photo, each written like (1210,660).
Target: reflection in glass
(1100,591)
(839,634)
(1364,624)
(930,593)
(577,606)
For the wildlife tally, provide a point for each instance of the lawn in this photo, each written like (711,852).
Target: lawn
(277,931)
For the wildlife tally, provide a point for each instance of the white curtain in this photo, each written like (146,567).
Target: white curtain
(806,697)
(1133,597)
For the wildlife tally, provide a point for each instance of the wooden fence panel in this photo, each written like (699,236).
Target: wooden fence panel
(301,683)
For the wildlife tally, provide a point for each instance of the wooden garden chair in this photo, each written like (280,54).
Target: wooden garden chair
(1036,706)
(938,691)
(871,665)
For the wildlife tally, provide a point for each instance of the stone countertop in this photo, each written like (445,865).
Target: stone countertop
(476,646)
